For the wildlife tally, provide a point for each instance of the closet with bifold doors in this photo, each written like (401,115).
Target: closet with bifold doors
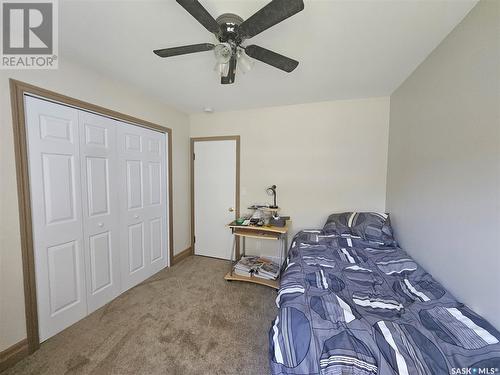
(99,204)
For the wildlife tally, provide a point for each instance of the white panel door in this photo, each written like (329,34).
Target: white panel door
(214,196)
(54,168)
(99,166)
(156,200)
(143,203)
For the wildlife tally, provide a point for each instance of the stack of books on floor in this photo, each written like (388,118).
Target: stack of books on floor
(257,267)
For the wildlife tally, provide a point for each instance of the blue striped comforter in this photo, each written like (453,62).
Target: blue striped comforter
(346,307)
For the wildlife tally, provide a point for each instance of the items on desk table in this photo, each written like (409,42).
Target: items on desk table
(257,220)
(257,215)
(247,265)
(267,219)
(269,271)
(279,221)
(258,267)
(263,213)
(272,191)
(243,221)
(258,206)
(262,208)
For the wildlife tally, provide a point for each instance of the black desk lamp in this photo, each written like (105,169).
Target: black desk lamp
(272,191)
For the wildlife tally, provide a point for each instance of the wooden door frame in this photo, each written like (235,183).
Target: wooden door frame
(191,157)
(17,91)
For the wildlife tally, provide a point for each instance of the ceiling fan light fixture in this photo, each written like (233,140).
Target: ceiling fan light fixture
(245,63)
(223,53)
(222,69)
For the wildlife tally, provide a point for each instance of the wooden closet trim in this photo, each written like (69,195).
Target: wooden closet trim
(17,91)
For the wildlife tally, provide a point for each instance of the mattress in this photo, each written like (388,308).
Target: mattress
(348,307)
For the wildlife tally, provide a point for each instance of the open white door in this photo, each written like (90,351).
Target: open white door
(214,196)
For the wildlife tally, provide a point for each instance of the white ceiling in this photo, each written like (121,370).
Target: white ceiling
(347,49)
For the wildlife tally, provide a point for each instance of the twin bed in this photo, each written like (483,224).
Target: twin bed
(352,302)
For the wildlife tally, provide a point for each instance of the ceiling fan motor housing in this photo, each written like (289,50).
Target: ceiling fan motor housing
(229,25)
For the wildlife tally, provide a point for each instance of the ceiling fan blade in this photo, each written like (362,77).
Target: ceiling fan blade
(202,16)
(272,58)
(183,50)
(273,13)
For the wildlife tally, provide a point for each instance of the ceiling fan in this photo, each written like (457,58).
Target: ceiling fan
(231,31)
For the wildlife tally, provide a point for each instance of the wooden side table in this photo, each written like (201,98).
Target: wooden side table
(261,232)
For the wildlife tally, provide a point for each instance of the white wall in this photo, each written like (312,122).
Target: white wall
(82,84)
(443,186)
(324,157)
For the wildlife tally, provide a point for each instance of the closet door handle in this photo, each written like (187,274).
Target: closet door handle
(136,216)
(100,224)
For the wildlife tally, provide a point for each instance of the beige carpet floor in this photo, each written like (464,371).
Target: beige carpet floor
(184,320)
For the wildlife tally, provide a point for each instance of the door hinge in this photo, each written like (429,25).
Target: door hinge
(194,156)
(194,239)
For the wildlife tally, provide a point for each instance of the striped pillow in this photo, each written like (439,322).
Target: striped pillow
(337,223)
(370,226)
